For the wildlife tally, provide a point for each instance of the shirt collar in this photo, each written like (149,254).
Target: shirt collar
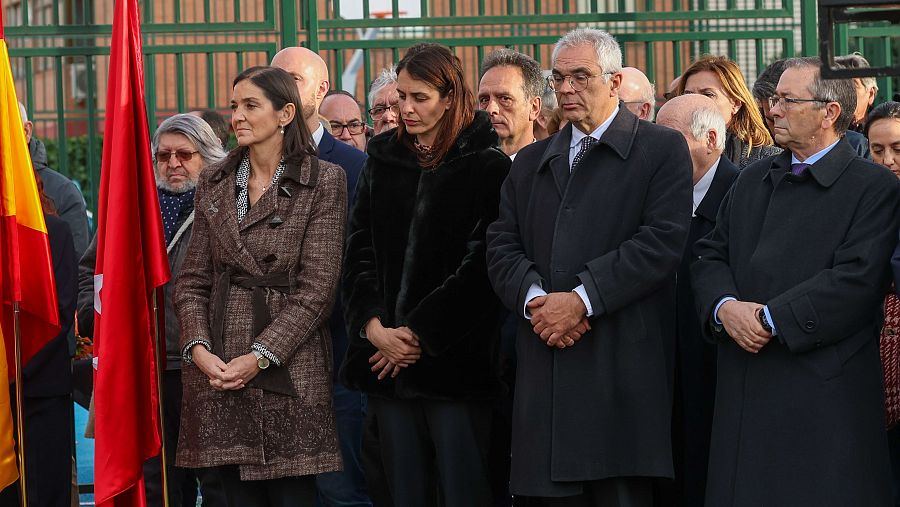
(578,135)
(513,156)
(815,157)
(702,186)
(318,133)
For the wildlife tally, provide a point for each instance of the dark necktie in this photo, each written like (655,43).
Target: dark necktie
(587,142)
(798,168)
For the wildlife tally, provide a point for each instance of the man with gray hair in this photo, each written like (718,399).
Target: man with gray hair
(866,89)
(62,191)
(182,146)
(638,93)
(510,92)
(697,118)
(548,109)
(592,225)
(790,284)
(383,96)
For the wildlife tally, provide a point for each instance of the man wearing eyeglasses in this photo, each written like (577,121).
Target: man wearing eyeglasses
(385,100)
(344,115)
(348,487)
(790,284)
(592,225)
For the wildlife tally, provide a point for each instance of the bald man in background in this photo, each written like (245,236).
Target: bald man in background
(637,93)
(346,488)
(696,118)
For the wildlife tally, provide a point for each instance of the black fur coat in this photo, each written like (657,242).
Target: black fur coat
(416,257)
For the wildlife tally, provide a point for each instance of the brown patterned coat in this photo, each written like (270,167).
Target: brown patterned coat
(269,435)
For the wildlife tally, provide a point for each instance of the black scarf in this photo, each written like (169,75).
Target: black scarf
(172,205)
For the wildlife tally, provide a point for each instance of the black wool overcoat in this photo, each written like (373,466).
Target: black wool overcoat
(801,423)
(617,225)
(416,257)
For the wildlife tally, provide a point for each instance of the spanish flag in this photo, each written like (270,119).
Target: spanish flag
(26,268)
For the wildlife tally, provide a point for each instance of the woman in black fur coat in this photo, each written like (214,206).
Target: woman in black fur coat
(423,319)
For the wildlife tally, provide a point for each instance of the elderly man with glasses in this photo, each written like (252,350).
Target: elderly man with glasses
(790,284)
(182,146)
(383,97)
(592,225)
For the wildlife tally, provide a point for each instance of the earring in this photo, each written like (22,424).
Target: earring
(282,130)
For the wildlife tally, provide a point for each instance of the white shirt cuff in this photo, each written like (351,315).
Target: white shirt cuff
(534,291)
(582,293)
(716,311)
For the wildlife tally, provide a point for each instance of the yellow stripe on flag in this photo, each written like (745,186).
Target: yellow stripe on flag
(18,191)
(9,473)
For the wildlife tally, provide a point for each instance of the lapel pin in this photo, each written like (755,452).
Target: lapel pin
(283,191)
(275,221)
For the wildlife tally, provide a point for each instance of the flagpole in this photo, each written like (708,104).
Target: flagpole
(20,408)
(160,359)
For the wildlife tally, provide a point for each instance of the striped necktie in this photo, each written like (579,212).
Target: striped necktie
(586,143)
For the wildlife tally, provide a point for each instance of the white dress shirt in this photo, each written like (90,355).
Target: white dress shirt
(318,133)
(577,136)
(702,186)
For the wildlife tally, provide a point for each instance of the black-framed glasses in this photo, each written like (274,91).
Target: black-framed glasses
(788,102)
(163,157)
(577,81)
(378,111)
(355,127)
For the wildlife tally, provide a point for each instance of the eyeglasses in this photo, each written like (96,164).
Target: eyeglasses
(578,81)
(788,102)
(163,157)
(354,127)
(378,111)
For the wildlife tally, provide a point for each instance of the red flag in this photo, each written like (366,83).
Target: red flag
(131,263)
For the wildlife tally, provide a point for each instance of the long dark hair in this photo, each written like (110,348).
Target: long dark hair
(278,86)
(436,65)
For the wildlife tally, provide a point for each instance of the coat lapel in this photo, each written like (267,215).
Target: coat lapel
(556,158)
(721,183)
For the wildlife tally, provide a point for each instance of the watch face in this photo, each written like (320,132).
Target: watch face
(262,362)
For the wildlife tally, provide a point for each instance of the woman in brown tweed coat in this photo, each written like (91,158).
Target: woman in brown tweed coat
(253,298)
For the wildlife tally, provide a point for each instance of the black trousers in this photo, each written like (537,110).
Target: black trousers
(284,492)
(435,452)
(48,452)
(182,482)
(615,492)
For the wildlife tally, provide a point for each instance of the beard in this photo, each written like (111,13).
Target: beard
(180,188)
(308,108)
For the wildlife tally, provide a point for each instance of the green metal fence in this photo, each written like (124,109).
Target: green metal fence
(194,48)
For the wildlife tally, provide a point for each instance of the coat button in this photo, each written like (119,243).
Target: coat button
(810,325)
(890,331)
(818,344)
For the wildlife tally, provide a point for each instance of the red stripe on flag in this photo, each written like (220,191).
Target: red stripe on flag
(38,310)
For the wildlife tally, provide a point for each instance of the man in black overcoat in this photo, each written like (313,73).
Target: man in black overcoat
(698,119)
(790,284)
(592,225)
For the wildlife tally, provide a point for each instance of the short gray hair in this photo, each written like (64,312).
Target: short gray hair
(705,119)
(23,113)
(548,100)
(386,77)
(609,54)
(857,61)
(841,91)
(533,82)
(197,131)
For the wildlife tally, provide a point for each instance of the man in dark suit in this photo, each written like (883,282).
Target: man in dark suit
(346,488)
(593,222)
(698,119)
(790,284)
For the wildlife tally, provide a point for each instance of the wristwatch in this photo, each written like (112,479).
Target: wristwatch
(764,322)
(261,360)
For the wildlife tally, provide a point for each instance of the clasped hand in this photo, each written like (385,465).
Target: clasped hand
(224,376)
(397,348)
(559,318)
(741,322)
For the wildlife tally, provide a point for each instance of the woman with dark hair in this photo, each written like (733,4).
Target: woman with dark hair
(423,319)
(882,127)
(720,79)
(253,298)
